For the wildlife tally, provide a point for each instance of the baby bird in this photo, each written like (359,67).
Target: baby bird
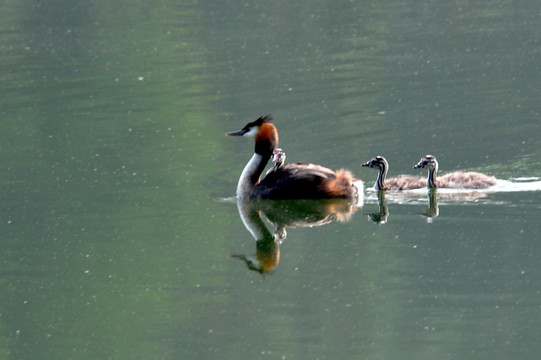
(278,158)
(454,180)
(402,182)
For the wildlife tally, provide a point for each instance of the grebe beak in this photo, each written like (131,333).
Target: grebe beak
(366,164)
(418,165)
(236,133)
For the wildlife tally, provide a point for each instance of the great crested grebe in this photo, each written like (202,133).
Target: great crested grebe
(402,182)
(288,181)
(456,180)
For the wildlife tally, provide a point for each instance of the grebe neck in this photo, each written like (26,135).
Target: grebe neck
(251,219)
(381,177)
(432,173)
(251,174)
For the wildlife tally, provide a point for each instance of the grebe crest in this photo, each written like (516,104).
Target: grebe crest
(261,130)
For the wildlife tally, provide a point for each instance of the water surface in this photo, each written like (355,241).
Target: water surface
(121,237)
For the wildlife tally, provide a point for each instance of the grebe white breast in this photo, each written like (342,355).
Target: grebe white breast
(402,182)
(288,181)
(454,180)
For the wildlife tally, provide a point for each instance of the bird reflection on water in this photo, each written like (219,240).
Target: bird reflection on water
(281,215)
(267,220)
(381,216)
(433,210)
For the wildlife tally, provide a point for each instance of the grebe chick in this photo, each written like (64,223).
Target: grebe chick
(278,158)
(455,180)
(402,182)
(288,181)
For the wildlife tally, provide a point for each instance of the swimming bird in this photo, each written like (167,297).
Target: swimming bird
(278,158)
(289,181)
(455,180)
(402,182)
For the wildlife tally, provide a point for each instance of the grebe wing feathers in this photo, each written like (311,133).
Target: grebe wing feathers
(296,180)
(308,169)
(466,180)
(405,182)
(298,172)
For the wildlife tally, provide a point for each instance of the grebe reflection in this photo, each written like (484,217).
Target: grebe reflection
(267,254)
(380,217)
(280,215)
(432,211)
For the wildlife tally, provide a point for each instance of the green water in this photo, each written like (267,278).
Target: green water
(118,223)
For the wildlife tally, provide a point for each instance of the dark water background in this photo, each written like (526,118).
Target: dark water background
(117,216)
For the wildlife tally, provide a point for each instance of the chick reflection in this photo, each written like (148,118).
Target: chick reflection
(380,217)
(432,211)
(282,214)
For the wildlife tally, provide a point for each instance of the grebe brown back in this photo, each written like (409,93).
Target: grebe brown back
(402,182)
(288,181)
(454,180)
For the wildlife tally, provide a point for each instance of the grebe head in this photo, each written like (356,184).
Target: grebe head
(427,162)
(262,263)
(264,133)
(378,162)
(279,156)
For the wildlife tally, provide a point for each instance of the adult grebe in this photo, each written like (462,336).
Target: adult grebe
(402,182)
(288,181)
(456,180)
